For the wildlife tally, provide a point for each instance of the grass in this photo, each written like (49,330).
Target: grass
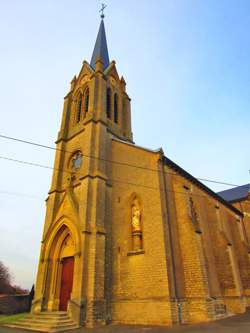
(6,319)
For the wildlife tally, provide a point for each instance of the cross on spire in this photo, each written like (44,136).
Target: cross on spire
(102,10)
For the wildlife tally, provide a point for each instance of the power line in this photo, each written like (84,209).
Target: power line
(112,180)
(18,194)
(106,160)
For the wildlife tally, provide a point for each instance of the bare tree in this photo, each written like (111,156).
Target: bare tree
(5,279)
(6,286)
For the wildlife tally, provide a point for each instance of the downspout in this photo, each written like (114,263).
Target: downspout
(177,298)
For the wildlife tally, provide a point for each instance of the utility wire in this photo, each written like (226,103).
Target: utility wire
(18,194)
(106,160)
(112,180)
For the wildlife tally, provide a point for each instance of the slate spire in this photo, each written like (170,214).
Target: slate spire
(101,48)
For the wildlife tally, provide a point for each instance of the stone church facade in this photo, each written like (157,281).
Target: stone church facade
(129,236)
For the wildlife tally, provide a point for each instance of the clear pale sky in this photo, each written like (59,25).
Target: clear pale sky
(187,67)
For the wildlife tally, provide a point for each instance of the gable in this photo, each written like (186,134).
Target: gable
(111,71)
(68,206)
(83,77)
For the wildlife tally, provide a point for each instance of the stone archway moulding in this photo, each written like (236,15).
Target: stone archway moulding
(53,232)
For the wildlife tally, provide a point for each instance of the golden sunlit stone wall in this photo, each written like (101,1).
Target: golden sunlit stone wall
(205,248)
(79,201)
(150,245)
(140,290)
(214,253)
(244,207)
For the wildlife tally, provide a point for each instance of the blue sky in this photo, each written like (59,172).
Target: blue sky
(187,67)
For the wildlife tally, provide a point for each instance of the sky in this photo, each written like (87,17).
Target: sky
(187,68)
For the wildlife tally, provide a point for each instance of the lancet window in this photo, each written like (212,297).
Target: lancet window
(108,103)
(116,108)
(124,113)
(79,108)
(86,101)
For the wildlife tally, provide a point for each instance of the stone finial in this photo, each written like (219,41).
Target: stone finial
(72,83)
(123,84)
(99,65)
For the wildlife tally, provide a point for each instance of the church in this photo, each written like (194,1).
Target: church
(130,237)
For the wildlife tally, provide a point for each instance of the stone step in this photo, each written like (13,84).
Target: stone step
(35,324)
(42,328)
(51,322)
(46,322)
(51,314)
(47,317)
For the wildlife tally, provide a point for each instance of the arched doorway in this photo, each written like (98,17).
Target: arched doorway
(67,272)
(60,271)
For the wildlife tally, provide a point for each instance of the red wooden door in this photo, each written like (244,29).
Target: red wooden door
(66,282)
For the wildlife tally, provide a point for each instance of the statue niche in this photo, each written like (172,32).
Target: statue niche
(194,216)
(136,226)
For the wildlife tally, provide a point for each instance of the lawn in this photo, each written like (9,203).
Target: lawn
(4,319)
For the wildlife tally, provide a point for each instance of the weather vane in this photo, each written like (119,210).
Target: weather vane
(102,10)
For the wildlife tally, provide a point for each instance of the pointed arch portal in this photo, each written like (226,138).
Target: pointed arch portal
(61,269)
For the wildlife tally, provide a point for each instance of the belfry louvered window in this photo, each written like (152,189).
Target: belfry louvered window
(116,108)
(79,108)
(108,103)
(86,101)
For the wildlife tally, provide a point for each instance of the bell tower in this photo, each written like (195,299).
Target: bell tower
(74,262)
(98,94)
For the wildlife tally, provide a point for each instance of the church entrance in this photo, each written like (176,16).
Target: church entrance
(66,282)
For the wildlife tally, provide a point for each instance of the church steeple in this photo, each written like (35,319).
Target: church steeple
(101,48)
(98,94)
(77,239)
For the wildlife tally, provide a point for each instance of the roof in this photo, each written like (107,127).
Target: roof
(134,145)
(235,194)
(101,48)
(195,181)
(187,175)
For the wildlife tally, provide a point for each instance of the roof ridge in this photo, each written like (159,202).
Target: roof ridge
(201,185)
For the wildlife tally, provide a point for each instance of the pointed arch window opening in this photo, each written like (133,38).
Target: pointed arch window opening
(86,101)
(79,109)
(108,103)
(116,109)
(124,116)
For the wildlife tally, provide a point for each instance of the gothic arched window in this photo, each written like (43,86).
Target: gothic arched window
(79,108)
(86,101)
(116,108)
(108,103)
(124,115)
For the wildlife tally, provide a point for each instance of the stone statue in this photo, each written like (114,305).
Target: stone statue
(136,227)
(192,211)
(136,219)
(194,216)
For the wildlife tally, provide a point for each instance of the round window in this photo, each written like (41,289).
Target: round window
(76,161)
